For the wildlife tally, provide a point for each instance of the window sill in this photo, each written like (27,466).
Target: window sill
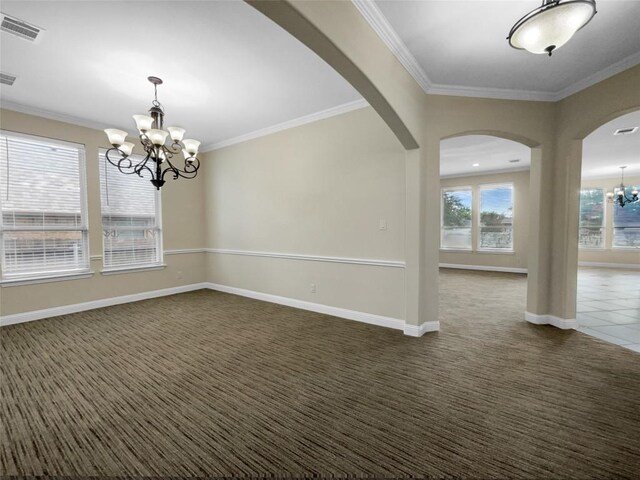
(484,252)
(496,252)
(17,282)
(145,268)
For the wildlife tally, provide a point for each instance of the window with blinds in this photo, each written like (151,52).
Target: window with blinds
(131,219)
(43,226)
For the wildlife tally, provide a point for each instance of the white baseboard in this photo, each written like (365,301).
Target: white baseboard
(370,318)
(485,268)
(106,302)
(563,323)
(630,266)
(379,320)
(419,330)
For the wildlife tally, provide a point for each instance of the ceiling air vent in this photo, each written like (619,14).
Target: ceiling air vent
(626,131)
(7,79)
(19,28)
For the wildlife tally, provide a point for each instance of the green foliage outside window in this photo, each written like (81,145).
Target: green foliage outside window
(455,213)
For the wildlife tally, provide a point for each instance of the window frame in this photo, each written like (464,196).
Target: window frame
(614,205)
(490,186)
(463,188)
(66,274)
(156,265)
(605,214)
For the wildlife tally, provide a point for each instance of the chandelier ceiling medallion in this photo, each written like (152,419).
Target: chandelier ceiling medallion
(158,159)
(551,25)
(619,193)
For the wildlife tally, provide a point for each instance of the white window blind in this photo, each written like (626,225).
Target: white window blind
(43,226)
(131,219)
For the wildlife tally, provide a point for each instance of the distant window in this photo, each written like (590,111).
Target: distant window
(456,219)
(496,217)
(43,226)
(626,223)
(591,233)
(131,220)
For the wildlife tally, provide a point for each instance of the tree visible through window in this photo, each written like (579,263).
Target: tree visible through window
(496,217)
(456,219)
(591,233)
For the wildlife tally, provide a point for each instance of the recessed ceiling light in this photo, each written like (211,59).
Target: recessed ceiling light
(475,165)
(626,131)
(515,160)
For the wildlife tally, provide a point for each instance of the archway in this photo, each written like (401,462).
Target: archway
(485,214)
(608,271)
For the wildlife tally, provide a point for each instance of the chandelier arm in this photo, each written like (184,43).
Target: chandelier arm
(174,148)
(190,170)
(143,166)
(124,164)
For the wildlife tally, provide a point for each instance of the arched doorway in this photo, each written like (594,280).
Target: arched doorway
(485,219)
(608,273)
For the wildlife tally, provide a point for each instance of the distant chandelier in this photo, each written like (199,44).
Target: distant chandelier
(619,193)
(158,159)
(551,25)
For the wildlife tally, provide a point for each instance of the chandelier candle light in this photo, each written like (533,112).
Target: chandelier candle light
(619,193)
(158,159)
(551,25)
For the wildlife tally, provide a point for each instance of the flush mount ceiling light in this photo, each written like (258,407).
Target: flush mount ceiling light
(551,25)
(158,159)
(619,193)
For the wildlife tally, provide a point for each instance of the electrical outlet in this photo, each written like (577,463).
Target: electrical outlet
(179,274)
(382,224)
(313,288)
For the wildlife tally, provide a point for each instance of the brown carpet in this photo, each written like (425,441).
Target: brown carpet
(211,384)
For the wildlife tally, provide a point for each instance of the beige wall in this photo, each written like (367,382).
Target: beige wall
(609,255)
(517,258)
(182,221)
(318,190)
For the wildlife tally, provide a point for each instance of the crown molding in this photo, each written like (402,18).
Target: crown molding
(296,122)
(376,19)
(60,117)
(610,71)
(372,14)
(487,172)
(487,92)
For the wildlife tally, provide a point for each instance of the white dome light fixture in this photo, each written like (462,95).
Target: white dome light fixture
(551,25)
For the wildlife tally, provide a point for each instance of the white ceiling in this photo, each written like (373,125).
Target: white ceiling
(492,154)
(603,152)
(228,70)
(460,47)
(232,74)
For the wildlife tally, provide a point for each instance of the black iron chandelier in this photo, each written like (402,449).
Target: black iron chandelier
(551,25)
(619,193)
(158,160)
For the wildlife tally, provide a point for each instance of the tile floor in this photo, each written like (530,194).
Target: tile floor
(608,305)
